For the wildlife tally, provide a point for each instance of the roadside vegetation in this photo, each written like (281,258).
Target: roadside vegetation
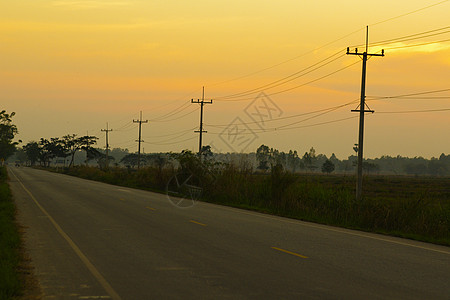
(311,187)
(406,206)
(10,281)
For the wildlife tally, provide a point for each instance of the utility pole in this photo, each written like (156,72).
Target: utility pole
(140,121)
(202,102)
(107,144)
(87,146)
(362,109)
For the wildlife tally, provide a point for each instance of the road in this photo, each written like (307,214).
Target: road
(89,240)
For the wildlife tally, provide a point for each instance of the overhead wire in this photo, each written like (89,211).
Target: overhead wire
(292,77)
(288,60)
(266,130)
(329,43)
(170,143)
(417,45)
(170,134)
(407,95)
(172,112)
(415,36)
(177,118)
(409,13)
(410,37)
(297,86)
(287,117)
(414,111)
(286,79)
(315,80)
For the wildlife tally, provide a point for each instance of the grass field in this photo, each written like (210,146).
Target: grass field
(10,283)
(411,207)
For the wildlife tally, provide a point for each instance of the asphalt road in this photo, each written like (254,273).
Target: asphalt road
(89,240)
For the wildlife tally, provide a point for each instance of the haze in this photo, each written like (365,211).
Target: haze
(72,66)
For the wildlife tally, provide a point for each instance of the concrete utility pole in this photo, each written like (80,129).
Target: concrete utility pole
(362,110)
(107,144)
(202,102)
(140,121)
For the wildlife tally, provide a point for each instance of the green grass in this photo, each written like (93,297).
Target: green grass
(10,284)
(411,207)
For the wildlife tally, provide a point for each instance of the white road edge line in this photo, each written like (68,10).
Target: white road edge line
(108,288)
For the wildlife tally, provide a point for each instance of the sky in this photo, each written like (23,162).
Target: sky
(277,73)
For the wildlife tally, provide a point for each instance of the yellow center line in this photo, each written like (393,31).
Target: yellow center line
(289,252)
(151,208)
(198,223)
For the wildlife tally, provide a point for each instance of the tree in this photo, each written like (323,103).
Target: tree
(293,161)
(327,166)
(206,152)
(130,160)
(263,156)
(72,144)
(7,133)
(46,152)
(309,159)
(32,151)
(370,167)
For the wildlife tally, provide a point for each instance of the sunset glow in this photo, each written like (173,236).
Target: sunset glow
(72,66)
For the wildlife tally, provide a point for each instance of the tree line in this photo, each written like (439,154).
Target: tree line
(66,150)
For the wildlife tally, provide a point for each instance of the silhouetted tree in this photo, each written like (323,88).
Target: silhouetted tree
(263,156)
(32,151)
(207,152)
(72,144)
(327,166)
(7,133)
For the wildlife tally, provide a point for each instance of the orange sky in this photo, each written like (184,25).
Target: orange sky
(71,66)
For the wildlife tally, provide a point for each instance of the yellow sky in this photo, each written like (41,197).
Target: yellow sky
(71,66)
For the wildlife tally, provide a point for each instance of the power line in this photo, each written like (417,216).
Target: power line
(413,111)
(415,36)
(289,117)
(171,143)
(410,37)
(173,112)
(326,44)
(298,86)
(289,77)
(123,127)
(408,95)
(286,61)
(175,133)
(172,138)
(274,129)
(417,45)
(315,80)
(176,100)
(284,80)
(409,13)
(177,118)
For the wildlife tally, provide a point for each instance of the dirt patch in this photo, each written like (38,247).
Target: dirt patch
(31,289)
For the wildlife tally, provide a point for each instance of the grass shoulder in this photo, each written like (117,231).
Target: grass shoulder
(10,244)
